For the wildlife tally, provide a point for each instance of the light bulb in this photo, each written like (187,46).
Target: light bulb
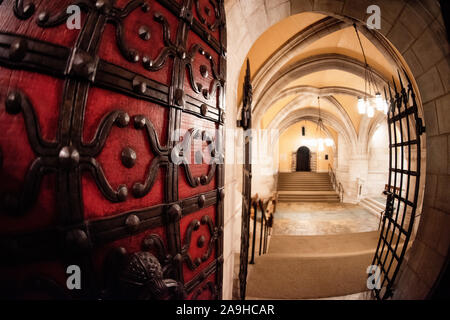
(361,106)
(385,107)
(370,111)
(378,101)
(321,148)
(328,142)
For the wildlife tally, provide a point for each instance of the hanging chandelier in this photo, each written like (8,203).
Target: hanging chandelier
(320,130)
(370,102)
(320,142)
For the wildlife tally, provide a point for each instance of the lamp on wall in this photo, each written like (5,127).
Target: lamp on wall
(367,104)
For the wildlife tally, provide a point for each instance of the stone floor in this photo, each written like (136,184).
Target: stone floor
(322,219)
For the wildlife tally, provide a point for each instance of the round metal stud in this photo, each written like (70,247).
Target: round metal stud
(196,225)
(122,193)
(145,7)
(197,181)
(83,65)
(201,241)
(201,201)
(13,103)
(204,71)
(69,157)
(148,63)
(139,122)
(203,179)
(178,259)
(144,33)
(43,17)
(122,120)
(179,97)
(103,5)
(139,86)
(204,109)
(138,190)
(77,240)
(204,219)
(132,222)
(128,157)
(222,194)
(175,212)
(18,50)
(197,262)
(205,93)
(99,4)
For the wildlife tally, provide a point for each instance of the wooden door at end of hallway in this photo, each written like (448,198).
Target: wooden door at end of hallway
(303,159)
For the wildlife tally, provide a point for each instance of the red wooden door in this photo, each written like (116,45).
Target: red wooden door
(100,152)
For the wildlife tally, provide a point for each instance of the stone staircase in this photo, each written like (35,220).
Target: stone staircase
(311,267)
(374,206)
(305,187)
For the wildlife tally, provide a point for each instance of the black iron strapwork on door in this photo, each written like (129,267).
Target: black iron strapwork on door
(405,129)
(246,124)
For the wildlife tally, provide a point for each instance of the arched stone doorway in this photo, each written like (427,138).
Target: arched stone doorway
(303,159)
(426,53)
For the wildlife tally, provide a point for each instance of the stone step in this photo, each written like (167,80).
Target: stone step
(374,208)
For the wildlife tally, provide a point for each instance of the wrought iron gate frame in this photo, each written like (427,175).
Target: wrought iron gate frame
(402,119)
(246,124)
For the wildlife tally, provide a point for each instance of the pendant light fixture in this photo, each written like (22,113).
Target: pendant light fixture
(367,105)
(320,129)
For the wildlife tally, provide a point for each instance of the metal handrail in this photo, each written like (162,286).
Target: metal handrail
(337,186)
(262,205)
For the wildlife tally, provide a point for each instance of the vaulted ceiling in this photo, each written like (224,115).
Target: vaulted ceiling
(310,55)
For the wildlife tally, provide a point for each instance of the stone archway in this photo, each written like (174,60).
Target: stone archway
(424,46)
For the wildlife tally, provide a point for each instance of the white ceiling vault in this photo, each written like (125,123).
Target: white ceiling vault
(309,55)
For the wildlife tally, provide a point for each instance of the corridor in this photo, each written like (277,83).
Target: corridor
(322,218)
(317,250)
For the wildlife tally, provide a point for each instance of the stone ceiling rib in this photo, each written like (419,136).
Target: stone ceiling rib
(304,67)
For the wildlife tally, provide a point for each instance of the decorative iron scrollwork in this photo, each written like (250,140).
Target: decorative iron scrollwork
(21,11)
(181,155)
(194,226)
(169,49)
(218,21)
(162,156)
(217,82)
(17,102)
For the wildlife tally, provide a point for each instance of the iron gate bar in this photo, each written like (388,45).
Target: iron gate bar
(398,104)
(398,118)
(246,124)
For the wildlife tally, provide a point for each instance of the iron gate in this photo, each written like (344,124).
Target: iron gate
(246,124)
(405,129)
